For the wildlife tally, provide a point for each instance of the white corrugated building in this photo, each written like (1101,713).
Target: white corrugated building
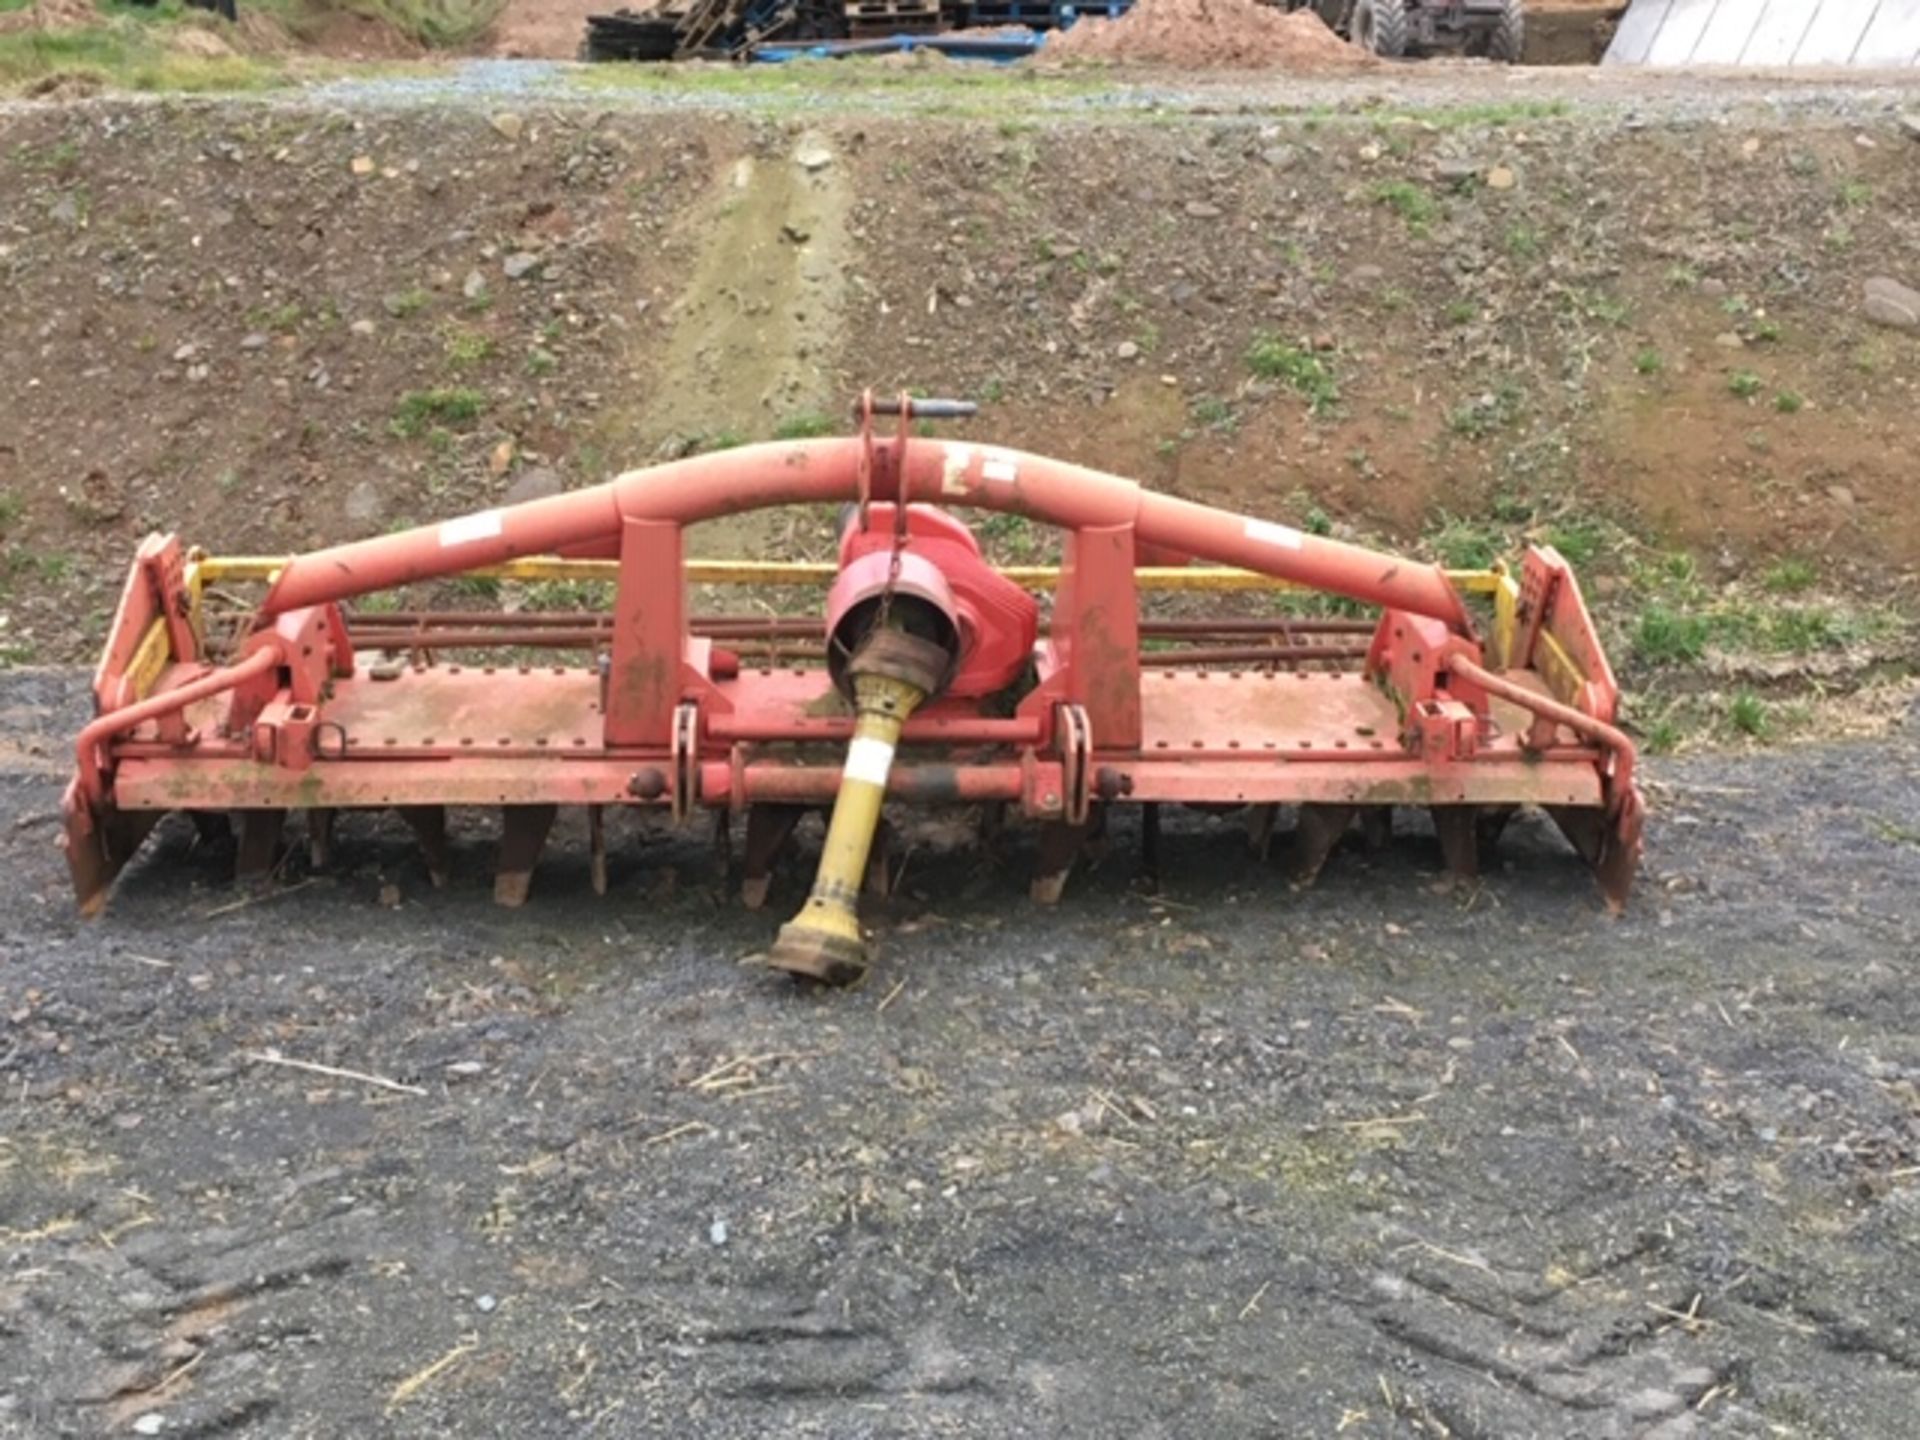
(1863,33)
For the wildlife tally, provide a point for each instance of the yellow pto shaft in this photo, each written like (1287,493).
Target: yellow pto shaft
(891,675)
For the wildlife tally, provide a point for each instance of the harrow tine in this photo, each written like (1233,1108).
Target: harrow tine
(992,821)
(259,843)
(211,828)
(769,837)
(523,835)
(1376,826)
(1260,822)
(1591,833)
(878,881)
(1583,829)
(1060,844)
(1492,824)
(1459,846)
(597,847)
(95,863)
(1316,832)
(320,838)
(429,826)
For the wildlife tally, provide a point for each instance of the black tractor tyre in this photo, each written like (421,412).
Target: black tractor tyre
(1381,26)
(1507,40)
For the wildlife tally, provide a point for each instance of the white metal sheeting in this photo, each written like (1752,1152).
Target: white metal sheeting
(1768,33)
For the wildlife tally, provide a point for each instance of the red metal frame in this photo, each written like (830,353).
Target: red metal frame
(293,724)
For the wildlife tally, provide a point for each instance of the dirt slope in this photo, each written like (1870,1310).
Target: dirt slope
(270,327)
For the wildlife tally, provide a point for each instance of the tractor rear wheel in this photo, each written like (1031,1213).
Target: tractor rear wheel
(1508,37)
(1381,26)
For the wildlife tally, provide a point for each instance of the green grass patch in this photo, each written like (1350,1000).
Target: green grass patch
(1011,539)
(1409,201)
(1580,541)
(1213,413)
(280,319)
(1272,358)
(808,425)
(464,348)
(1495,113)
(1486,413)
(403,304)
(484,588)
(1744,384)
(568,594)
(985,92)
(1665,635)
(1463,544)
(1679,627)
(1854,195)
(1524,242)
(1790,576)
(437,24)
(1789,402)
(1893,832)
(1598,305)
(127,54)
(422,410)
(1663,736)
(1748,715)
(1649,361)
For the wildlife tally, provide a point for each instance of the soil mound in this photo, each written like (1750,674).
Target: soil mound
(1204,34)
(55,15)
(547,29)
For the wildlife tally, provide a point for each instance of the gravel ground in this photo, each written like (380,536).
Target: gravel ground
(1382,1158)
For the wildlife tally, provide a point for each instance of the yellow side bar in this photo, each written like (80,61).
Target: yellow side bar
(819,575)
(1563,675)
(1506,603)
(150,657)
(1561,671)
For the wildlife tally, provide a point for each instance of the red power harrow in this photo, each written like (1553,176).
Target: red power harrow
(934,678)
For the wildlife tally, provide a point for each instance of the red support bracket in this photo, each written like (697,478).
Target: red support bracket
(655,664)
(1093,647)
(1551,603)
(1443,715)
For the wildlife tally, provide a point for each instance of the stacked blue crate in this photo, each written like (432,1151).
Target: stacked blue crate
(1040,14)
